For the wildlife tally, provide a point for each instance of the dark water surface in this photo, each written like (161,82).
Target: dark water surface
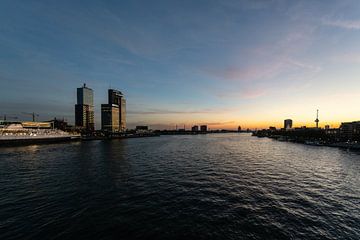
(219,186)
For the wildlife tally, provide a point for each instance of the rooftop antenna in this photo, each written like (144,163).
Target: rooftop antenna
(317,119)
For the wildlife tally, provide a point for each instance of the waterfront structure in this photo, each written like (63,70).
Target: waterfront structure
(195,128)
(110,118)
(288,123)
(84,109)
(350,130)
(113,114)
(32,132)
(59,124)
(203,128)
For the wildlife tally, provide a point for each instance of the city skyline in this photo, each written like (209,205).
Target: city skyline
(219,63)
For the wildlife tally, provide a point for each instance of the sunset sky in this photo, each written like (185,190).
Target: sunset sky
(223,63)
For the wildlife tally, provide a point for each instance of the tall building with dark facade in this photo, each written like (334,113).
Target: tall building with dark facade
(195,128)
(203,128)
(288,124)
(110,118)
(350,131)
(84,109)
(113,114)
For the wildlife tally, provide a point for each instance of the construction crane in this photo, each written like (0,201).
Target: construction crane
(34,115)
(6,117)
(317,119)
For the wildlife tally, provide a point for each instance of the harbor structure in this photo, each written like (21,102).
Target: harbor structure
(84,109)
(113,114)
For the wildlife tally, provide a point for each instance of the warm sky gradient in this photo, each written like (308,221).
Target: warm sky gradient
(225,63)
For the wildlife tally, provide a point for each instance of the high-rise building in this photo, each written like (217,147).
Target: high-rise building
(195,128)
(350,130)
(203,128)
(84,109)
(288,124)
(122,116)
(110,118)
(113,114)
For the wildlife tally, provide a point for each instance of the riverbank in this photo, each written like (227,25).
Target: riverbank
(314,139)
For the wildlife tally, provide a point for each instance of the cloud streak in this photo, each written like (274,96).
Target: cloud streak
(165,111)
(347,24)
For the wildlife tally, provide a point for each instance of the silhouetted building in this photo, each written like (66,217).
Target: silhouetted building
(59,124)
(113,114)
(84,109)
(350,130)
(334,132)
(288,124)
(110,118)
(195,128)
(203,128)
(144,128)
(317,119)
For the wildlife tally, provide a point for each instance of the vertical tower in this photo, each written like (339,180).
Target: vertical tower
(113,114)
(84,109)
(288,124)
(317,119)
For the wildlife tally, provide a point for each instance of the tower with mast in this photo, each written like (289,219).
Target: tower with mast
(317,119)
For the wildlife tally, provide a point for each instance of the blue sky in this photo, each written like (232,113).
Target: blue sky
(224,63)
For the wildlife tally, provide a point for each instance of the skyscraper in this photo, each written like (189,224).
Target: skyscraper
(113,114)
(110,118)
(84,109)
(288,124)
(203,128)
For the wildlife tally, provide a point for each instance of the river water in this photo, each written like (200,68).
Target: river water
(215,186)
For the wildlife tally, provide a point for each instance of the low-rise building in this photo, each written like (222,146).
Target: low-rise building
(142,128)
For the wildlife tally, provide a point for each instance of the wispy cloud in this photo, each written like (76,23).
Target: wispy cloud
(347,24)
(347,58)
(247,73)
(250,93)
(262,71)
(166,111)
(217,123)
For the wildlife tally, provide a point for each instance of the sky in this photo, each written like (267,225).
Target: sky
(226,63)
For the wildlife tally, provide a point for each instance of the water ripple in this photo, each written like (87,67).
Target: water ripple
(221,186)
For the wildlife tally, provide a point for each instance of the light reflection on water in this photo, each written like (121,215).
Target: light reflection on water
(218,186)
